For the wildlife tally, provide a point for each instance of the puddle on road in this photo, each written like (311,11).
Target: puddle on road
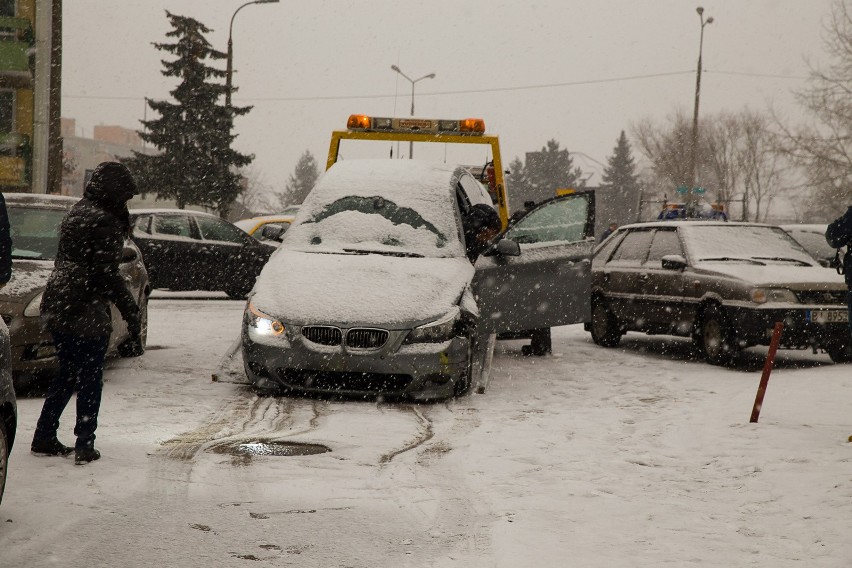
(270,448)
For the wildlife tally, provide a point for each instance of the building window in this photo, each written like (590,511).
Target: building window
(7,8)
(7,111)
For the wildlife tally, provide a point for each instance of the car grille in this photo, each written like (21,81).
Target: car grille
(322,334)
(822,297)
(366,338)
(336,381)
(356,338)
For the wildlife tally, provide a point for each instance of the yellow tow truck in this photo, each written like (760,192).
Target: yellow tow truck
(441,131)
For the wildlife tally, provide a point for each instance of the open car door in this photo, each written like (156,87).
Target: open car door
(548,283)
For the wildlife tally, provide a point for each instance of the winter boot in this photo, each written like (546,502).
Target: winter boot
(86,455)
(50,447)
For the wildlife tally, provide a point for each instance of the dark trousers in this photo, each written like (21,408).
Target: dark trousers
(81,364)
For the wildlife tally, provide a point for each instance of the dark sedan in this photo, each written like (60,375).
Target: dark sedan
(722,284)
(193,250)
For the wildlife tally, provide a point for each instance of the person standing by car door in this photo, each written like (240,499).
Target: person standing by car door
(5,244)
(839,234)
(76,306)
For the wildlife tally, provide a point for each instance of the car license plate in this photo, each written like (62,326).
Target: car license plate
(828,316)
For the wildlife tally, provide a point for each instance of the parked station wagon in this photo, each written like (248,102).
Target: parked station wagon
(725,285)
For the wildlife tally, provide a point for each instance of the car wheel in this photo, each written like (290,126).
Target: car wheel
(840,352)
(136,348)
(716,337)
(604,328)
(4,457)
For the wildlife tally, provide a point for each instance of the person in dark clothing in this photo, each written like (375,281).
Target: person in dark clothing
(5,244)
(480,224)
(609,230)
(75,307)
(838,234)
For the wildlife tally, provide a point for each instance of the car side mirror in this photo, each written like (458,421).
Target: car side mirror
(128,254)
(504,247)
(273,232)
(674,262)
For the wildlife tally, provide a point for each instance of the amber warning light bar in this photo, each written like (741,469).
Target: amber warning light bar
(466,126)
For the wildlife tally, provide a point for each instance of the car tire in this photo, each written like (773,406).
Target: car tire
(716,338)
(4,457)
(604,328)
(136,348)
(840,352)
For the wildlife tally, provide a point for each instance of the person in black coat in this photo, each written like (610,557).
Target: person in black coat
(480,224)
(5,244)
(838,234)
(75,307)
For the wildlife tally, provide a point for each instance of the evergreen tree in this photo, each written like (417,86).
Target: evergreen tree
(196,164)
(621,183)
(548,170)
(516,184)
(302,180)
(620,174)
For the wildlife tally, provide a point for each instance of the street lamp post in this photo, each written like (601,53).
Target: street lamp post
(690,202)
(230,68)
(412,81)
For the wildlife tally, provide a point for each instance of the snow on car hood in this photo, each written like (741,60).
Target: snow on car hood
(27,277)
(372,290)
(776,275)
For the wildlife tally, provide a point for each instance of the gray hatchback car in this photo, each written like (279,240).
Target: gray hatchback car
(722,284)
(371,291)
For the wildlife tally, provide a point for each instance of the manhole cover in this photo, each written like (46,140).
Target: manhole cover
(271,448)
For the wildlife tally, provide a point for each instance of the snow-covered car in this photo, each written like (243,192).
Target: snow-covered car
(371,290)
(8,408)
(812,239)
(255,226)
(723,284)
(34,221)
(193,250)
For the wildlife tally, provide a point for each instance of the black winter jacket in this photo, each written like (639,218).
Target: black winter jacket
(5,243)
(839,234)
(85,278)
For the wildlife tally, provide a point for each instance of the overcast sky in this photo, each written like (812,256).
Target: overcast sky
(575,71)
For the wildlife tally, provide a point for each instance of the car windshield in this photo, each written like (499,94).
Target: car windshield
(35,231)
(752,243)
(814,243)
(401,210)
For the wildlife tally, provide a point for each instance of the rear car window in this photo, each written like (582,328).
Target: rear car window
(633,249)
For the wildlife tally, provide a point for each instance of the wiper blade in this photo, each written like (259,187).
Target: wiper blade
(798,261)
(26,257)
(400,254)
(732,259)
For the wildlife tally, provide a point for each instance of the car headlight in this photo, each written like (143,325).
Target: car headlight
(773,295)
(33,309)
(434,332)
(261,323)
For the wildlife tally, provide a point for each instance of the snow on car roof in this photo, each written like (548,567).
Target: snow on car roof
(390,205)
(39,199)
(148,211)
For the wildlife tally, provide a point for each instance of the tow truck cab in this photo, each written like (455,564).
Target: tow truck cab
(434,131)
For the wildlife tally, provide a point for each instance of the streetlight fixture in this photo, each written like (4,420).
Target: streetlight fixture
(412,81)
(690,203)
(230,69)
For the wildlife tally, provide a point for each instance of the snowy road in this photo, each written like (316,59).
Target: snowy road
(591,457)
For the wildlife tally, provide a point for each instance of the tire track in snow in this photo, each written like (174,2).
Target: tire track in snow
(425,434)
